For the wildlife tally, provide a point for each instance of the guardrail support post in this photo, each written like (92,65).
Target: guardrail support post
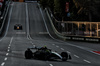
(78,28)
(97,29)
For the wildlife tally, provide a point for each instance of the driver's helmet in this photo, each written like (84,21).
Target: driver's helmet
(45,46)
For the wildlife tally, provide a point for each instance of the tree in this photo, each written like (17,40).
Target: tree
(59,7)
(85,7)
(51,4)
(43,3)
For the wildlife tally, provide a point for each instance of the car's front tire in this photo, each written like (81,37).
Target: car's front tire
(64,56)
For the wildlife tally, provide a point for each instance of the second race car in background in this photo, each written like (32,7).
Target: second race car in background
(18,27)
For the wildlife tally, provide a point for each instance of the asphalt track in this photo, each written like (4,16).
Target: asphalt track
(37,31)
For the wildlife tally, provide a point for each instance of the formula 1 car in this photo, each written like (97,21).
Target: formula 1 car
(18,27)
(46,54)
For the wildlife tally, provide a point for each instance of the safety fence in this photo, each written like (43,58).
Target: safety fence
(77,30)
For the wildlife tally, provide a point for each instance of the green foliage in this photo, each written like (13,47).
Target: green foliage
(51,4)
(56,6)
(79,9)
(85,8)
(59,7)
(47,3)
(44,3)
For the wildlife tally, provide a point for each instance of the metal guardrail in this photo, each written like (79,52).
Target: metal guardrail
(56,32)
(3,17)
(80,34)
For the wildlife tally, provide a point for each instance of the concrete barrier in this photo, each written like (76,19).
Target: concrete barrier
(56,32)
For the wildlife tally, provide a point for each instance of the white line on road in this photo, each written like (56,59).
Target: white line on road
(11,41)
(68,52)
(20,32)
(3,64)
(27,18)
(87,61)
(5,59)
(53,44)
(27,22)
(62,49)
(76,56)
(8,50)
(57,46)
(50,64)
(7,54)
(8,47)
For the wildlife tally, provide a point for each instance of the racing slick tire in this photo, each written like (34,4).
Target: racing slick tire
(64,56)
(28,54)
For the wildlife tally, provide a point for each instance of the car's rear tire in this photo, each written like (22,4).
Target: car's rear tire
(28,55)
(64,56)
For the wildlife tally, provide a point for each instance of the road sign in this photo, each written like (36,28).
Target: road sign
(67,7)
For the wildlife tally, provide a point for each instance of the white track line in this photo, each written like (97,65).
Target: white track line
(62,49)
(7,54)
(11,41)
(57,46)
(8,47)
(27,23)
(68,52)
(8,50)
(50,64)
(87,61)
(5,58)
(53,44)
(76,56)
(3,64)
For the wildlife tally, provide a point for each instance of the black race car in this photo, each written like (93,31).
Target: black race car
(45,54)
(18,27)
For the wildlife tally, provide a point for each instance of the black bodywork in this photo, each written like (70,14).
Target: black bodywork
(46,54)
